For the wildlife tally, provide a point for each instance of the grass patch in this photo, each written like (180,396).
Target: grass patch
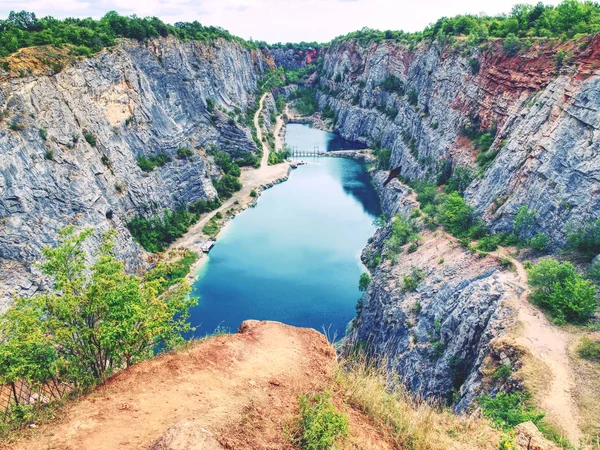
(404,419)
(320,425)
(589,349)
(212,228)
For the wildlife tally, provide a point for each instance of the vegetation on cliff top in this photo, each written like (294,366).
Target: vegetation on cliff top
(568,19)
(24,29)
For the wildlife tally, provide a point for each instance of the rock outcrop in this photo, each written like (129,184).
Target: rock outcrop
(437,336)
(69,142)
(417,102)
(186,436)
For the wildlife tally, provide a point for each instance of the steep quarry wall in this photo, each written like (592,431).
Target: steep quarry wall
(546,119)
(439,337)
(134,99)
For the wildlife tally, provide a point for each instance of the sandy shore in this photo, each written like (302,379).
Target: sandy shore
(252,180)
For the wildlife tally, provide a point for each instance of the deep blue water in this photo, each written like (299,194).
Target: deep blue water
(307,138)
(293,258)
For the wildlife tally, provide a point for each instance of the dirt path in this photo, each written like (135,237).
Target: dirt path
(265,146)
(549,344)
(243,388)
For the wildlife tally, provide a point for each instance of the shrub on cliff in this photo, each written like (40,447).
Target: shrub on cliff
(156,233)
(96,320)
(149,163)
(456,215)
(560,290)
(403,231)
(585,239)
(511,45)
(383,157)
(227,186)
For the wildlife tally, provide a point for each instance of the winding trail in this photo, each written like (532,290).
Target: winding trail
(548,344)
(265,147)
(252,180)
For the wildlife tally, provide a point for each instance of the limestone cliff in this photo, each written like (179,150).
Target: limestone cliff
(69,142)
(417,102)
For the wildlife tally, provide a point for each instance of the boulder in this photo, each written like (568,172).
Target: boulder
(528,437)
(186,436)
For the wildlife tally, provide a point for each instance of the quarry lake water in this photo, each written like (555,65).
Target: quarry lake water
(295,256)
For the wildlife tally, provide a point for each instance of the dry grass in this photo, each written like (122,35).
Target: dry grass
(587,395)
(406,421)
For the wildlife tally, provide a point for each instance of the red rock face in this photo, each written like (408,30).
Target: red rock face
(504,79)
(311,56)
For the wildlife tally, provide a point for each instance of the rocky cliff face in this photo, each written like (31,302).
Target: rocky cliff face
(429,105)
(69,142)
(436,337)
(416,102)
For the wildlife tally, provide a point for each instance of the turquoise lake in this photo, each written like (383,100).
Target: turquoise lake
(295,257)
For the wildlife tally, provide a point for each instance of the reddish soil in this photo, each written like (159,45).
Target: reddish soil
(243,388)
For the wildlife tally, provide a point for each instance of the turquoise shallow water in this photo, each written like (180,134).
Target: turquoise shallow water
(293,258)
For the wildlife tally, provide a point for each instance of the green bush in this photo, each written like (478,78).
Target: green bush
(475,65)
(593,272)
(148,164)
(97,319)
(539,242)
(227,185)
(253,193)
(277,157)
(203,206)
(589,349)
(305,100)
(43,133)
(523,221)
(426,193)
(393,84)
(211,228)
(171,273)
(460,180)
(509,410)
(413,97)
(49,154)
(383,158)
(403,231)
(456,216)
(560,290)
(320,425)
(511,45)
(503,372)
(489,243)
(184,152)
(89,137)
(156,233)
(585,239)
(364,282)
(412,281)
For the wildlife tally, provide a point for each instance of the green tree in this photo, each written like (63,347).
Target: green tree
(456,215)
(97,319)
(559,289)
(364,282)
(511,45)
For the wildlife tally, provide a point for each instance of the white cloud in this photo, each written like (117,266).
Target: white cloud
(275,20)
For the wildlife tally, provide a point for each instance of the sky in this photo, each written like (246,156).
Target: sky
(276,20)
